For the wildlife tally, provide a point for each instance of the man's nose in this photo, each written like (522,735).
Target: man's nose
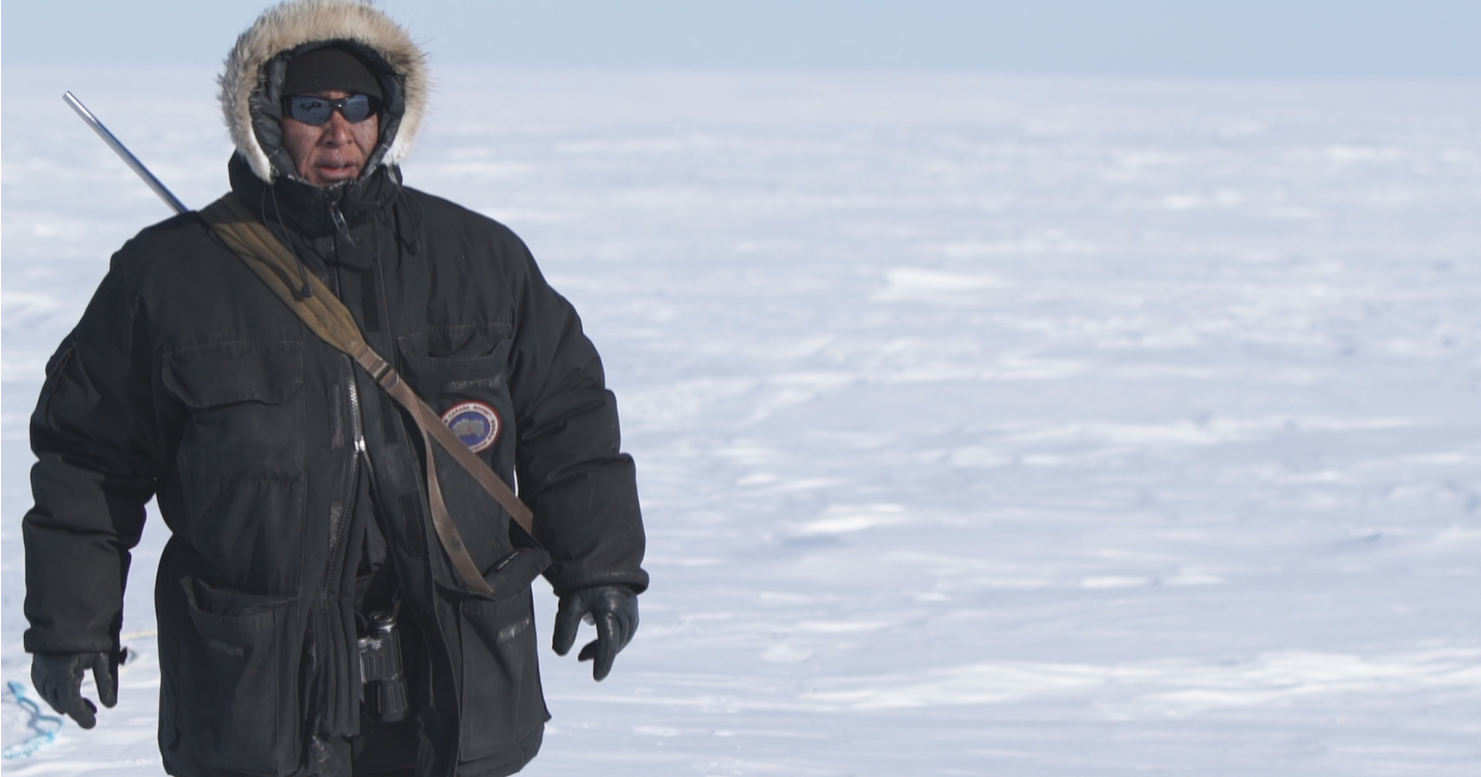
(336,130)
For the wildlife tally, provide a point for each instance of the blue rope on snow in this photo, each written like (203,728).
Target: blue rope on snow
(40,740)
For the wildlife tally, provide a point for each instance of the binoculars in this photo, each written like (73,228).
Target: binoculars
(381,675)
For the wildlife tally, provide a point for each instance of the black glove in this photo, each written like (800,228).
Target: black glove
(613,609)
(58,678)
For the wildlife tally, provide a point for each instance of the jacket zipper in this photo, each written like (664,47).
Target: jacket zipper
(352,483)
(337,531)
(377,510)
(338,218)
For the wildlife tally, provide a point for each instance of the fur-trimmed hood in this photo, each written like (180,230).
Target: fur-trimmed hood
(251,82)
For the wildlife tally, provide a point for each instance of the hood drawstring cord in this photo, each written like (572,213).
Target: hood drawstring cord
(410,238)
(280,228)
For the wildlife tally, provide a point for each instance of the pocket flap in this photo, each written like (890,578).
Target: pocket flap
(224,373)
(514,573)
(464,341)
(509,576)
(230,615)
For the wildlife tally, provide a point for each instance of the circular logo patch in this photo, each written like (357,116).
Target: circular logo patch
(475,423)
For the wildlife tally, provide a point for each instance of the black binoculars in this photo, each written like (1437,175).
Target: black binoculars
(381,675)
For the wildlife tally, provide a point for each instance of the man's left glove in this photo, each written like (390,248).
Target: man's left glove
(613,609)
(58,678)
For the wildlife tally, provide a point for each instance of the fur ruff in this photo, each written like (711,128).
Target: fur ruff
(296,22)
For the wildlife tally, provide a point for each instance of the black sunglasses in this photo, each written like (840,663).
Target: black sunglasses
(316,111)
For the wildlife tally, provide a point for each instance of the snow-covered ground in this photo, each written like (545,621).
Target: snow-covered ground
(985,426)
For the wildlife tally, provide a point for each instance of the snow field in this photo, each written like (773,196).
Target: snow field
(984,425)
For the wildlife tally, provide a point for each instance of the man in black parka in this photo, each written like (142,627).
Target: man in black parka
(292,485)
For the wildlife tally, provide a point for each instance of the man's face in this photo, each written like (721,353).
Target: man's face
(334,151)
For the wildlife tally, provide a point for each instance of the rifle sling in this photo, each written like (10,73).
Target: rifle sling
(328,318)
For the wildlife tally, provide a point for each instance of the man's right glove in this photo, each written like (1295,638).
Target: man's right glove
(58,678)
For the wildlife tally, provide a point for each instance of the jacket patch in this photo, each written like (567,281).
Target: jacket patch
(475,423)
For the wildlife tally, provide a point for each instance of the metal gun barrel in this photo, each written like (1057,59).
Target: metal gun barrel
(124,154)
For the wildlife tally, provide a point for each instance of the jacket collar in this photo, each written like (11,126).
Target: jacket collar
(310,211)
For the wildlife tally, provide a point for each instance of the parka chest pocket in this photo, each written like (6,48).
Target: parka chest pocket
(242,420)
(462,372)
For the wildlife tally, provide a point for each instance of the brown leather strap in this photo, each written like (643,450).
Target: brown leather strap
(328,318)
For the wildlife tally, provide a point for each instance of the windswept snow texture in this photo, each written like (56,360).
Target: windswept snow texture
(986,426)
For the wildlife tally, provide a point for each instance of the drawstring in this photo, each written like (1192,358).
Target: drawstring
(304,291)
(416,224)
(412,242)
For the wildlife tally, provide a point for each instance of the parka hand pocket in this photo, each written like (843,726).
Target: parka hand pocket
(502,699)
(234,693)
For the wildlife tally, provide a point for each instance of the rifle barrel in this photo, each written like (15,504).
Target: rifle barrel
(124,154)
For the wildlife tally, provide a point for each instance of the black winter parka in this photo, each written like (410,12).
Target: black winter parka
(186,380)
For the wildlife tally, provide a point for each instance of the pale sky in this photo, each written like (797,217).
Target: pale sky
(1219,38)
